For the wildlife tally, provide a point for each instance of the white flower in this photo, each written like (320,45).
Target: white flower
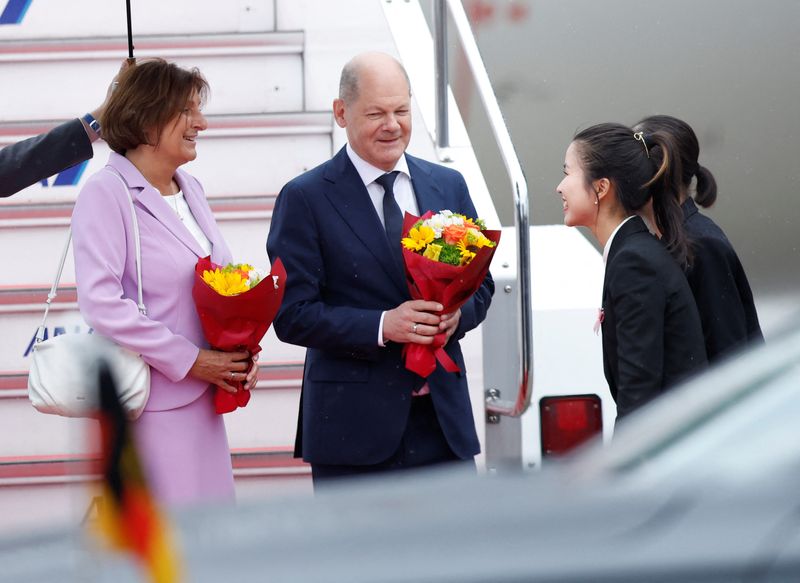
(255,275)
(436,222)
(443,219)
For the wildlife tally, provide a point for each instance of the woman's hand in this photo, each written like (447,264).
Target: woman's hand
(221,368)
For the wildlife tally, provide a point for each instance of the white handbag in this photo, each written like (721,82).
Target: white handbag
(63,374)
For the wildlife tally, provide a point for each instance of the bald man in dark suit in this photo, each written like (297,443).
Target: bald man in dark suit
(347,299)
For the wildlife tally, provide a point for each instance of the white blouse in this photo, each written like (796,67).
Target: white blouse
(177,203)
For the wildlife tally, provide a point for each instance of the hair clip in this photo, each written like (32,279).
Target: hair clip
(640,136)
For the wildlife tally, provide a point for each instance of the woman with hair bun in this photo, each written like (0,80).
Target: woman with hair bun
(716,275)
(652,336)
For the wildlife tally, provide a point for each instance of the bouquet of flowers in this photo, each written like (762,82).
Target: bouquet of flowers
(446,256)
(236,304)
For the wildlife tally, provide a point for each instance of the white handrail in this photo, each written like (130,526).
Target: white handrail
(519,186)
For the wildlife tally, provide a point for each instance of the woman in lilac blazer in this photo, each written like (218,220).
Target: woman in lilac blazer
(151,122)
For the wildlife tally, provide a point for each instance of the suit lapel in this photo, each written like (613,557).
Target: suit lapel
(151,200)
(159,208)
(348,195)
(634,225)
(428,193)
(202,214)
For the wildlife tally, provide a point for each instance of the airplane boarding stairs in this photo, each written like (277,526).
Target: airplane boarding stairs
(261,134)
(273,67)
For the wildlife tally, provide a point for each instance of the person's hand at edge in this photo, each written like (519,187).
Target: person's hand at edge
(98,112)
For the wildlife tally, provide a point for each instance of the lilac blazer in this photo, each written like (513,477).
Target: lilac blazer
(170,336)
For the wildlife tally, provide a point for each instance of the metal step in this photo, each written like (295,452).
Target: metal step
(42,230)
(63,469)
(239,155)
(14,214)
(246,237)
(22,308)
(269,420)
(39,492)
(247,72)
(43,18)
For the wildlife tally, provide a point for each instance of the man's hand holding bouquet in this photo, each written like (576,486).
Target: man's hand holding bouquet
(446,257)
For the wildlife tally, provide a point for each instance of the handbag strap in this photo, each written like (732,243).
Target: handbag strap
(137,245)
(136,240)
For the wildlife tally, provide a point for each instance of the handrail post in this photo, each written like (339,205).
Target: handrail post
(519,187)
(440,56)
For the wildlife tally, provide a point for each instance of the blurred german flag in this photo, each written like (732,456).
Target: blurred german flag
(129,519)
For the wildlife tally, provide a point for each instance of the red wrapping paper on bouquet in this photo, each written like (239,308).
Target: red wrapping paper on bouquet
(237,322)
(450,285)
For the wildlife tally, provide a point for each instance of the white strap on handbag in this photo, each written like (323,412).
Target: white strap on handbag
(53,290)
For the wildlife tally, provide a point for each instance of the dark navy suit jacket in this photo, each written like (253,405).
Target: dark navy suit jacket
(652,337)
(341,276)
(720,287)
(34,159)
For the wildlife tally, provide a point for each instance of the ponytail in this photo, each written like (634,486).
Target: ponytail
(706,187)
(685,140)
(641,166)
(663,187)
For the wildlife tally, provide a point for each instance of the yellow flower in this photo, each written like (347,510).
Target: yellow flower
(475,238)
(433,251)
(466,254)
(418,238)
(226,283)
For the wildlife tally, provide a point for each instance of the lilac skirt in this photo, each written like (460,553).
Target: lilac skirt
(185,454)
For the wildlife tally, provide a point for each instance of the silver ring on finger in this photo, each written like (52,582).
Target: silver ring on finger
(231,375)
(414,328)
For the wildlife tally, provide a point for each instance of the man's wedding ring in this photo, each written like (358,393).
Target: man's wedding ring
(231,375)
(414,328)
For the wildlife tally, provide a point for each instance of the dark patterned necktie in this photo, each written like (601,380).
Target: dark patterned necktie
(392,215)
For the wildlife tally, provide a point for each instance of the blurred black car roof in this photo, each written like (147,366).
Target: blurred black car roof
(572,523)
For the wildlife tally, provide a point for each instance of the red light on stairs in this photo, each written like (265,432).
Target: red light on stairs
(568,421)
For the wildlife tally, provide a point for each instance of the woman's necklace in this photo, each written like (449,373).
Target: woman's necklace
(174,199)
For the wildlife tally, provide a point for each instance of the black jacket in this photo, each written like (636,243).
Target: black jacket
(34,159)
(720,287)
(652,337)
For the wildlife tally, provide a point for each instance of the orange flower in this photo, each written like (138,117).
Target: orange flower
(454,233)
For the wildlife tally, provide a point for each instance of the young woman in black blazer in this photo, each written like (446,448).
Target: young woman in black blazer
(716,275)
(652,336)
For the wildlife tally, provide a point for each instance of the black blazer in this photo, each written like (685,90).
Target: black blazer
(720,287)
(652,336)
(356,395)
(34,159)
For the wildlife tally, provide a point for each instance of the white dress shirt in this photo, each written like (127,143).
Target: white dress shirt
(403,194)
(403,191)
